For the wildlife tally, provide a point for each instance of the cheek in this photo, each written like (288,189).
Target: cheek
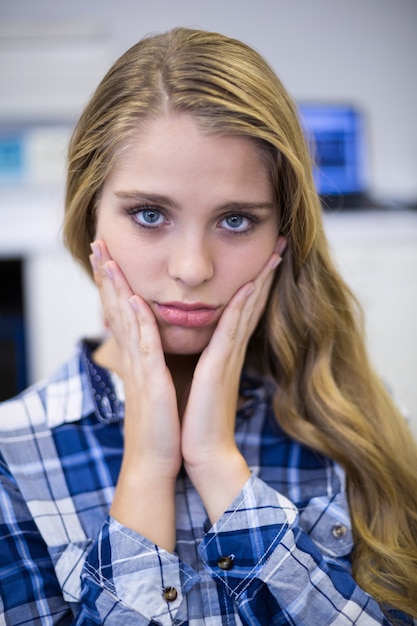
(246,266)
(141,266)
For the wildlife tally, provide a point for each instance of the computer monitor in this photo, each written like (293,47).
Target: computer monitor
(337,136)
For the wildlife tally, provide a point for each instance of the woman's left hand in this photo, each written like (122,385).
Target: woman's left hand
(211,457)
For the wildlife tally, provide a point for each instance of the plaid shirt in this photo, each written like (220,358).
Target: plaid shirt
(279,555)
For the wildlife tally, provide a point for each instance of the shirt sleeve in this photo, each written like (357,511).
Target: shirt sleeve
(120,578)
(126,574)
(275,572)
(29,589)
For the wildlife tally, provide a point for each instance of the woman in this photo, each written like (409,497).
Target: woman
(226,455)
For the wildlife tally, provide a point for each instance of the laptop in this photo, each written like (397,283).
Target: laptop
(338,142)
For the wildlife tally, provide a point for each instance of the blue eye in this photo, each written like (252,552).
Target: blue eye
(238,223)
(150,216)
(147,217)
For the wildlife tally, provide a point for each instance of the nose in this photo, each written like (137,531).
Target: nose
(191,260)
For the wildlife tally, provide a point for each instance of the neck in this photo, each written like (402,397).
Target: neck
(181,366)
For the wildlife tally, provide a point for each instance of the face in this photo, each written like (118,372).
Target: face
(189,218)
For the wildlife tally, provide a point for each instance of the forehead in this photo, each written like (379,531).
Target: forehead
(177,145)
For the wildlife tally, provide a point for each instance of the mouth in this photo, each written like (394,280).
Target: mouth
(193,315)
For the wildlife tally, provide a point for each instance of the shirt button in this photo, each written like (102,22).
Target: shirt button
(170,594)
(225,562)
(339,531)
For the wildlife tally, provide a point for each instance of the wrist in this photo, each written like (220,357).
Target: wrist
(144,501)
(138,464)
(219,480)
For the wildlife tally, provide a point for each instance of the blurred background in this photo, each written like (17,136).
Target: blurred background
(349,64)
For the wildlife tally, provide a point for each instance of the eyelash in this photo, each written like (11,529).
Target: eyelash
(135,211)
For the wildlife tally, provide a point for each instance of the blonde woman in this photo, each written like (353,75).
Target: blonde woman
(225,455)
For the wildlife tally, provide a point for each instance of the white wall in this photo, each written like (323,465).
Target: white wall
(362,51)
(376,253)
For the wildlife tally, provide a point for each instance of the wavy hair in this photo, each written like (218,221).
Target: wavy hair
(310,339)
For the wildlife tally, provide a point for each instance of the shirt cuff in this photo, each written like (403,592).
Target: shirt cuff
(125,568)
(238,545)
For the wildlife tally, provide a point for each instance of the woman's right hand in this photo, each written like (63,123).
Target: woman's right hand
(145,490)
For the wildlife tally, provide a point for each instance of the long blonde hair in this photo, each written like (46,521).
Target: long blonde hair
(310,339)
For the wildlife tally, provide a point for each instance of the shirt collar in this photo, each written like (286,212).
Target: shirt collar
(108,393)
(106,388)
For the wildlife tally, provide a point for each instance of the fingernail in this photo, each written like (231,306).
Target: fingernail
(96,250)
(277,260)
(281,247)
(250,289)
(134,304)
(93,262)
(108,270)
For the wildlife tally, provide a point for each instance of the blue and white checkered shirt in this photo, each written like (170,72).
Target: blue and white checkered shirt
(279,555)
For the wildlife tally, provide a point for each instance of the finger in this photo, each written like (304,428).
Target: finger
(227,346)
(245,308)
(122,317)
(100,251)
(108,272)
(113,289)
(98,258)
(255,306)
(127,314)
(149,371)
(111,307)
(238,321)
(148,346)
(96,270)
(132,316)
(112,285)
(281,245)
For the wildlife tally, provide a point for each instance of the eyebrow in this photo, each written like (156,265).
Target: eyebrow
(139,196)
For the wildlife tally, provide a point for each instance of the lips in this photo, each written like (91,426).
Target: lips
(187,315)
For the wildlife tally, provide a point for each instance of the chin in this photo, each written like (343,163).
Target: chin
(185,342)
